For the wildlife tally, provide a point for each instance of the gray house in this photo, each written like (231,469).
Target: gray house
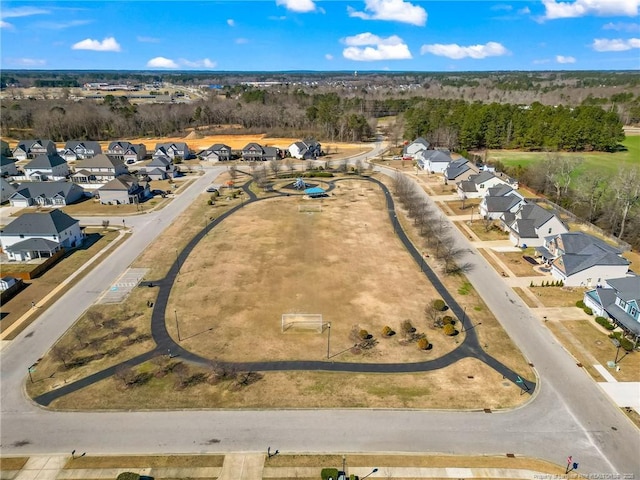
(40,235)
(412,149)
(8,166)
(27,149)
(178,150)
(6,189)
(4,149)
(125,189)
(218,152)
(530,224)
(99,169)
(160,168)
(45,194)
(47,167)
(619,300)
(79,149)
(458,170)
(127,152)
(500,200)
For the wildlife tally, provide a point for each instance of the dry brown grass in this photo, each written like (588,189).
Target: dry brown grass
(457,207)
(40,287)
(437,389)
(558,296)
(525,298)
(145,461)
(12,463)
(517,264)
(479,229)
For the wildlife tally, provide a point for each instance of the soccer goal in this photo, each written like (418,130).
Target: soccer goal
(310,208)
(302,321)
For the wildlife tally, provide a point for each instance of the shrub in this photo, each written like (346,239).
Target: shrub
(423,343)
(407,327)
(588,311)
(580,304)
(387,331)
(531,284)
(448,320)
(626,344)
(325,473)
(128,476)
(363,334)
(449,330)
(439,305)
(605,323)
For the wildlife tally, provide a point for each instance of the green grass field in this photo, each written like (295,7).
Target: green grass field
(608,163)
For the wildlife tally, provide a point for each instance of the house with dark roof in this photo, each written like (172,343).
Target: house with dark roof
(579,259)
(28,149)
(40,235)
(79,149)
(6,189)
(619,300)
(218,152)
(160,168)
(178,150)
(458,170)
(308,149)
(98,170)
(125,189)
(46,194)
(8,166)
(127,152)
(434,161)
(477,185)
(47,167)
(410,150)
(254,152)
(530,224)
(500,200)
(4,149)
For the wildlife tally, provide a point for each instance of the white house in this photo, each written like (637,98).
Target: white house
(500,200)
(530,224)
(305,149)
(47,167)
(434,161)
(45,194)
(412,149)
(127,151)
(160,168)
(218,152)
(579,259)
(79,149)
(96,171)
(27,149)
(477,185)
(40,235)
(178,150)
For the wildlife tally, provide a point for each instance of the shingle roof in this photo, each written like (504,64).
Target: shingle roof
(120,143)
(33,244)
(456,168)
(582,251)
(218,146)
(580,242)
(46,189)
(87,144)
(48,223)
(46,161)
(481,177)
(627,288)
(100,161)
(436,156)
(122,182)
(467,186)
(538,215)
(160,161)
(6,161)
(502,204)
(499,191)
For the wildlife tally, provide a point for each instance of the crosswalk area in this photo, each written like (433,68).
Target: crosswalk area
(123,286)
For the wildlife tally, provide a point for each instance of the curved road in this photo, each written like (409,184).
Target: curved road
(569,415)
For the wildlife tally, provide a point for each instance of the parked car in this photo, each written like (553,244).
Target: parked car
(212,189)
(397,157)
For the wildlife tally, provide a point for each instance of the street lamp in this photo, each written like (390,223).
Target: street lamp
(328,338)
(471,213)
(369,474)
(464,314)
(616,343)
(177,326)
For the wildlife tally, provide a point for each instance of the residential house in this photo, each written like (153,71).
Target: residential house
(124,189)
(619,300)
(8,166)
(458,170)
(98,170)
(500,200)
(218,152)
(6,190)
(305,150)
(477,185)
(160,168)
(412,149)
(40,235)
(254,152)
(530,224)
(271,153)
(46,193)
(175,151)
(434,161)
(127,152)
(7,282)
(80,149)
(47,167)
(28,149)
(579,259)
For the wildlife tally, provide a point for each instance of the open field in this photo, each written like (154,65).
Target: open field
(40,287)
(592,161)
(309,389)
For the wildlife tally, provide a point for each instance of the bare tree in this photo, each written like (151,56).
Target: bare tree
(358,166)
(125,375)
(95,317)
(591,191)
(275,166)
(233,172)
(288,164)
(627,191)
(62,353)
(128,331)
(181,371)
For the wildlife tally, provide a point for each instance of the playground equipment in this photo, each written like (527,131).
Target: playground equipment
(299,184)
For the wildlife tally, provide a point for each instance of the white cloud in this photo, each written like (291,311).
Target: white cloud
(367,47)
(580,8)
(278,19)
(328,56)
(231,22)
(563,59)
(6,25)
(298,5)
(27,62)
(241,41)
(162,62)
(144,39)
(22,12)
(524,11)
(62,25)
(615,44)
(395,10)
(455,51)
(622,27)
(109,44)
(501,7)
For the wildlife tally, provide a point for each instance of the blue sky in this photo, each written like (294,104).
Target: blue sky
(395,35)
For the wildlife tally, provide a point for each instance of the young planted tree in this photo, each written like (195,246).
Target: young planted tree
(62,353)
(275,167)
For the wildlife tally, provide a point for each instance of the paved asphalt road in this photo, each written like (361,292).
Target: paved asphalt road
(568,415)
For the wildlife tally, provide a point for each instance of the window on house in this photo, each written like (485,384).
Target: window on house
(549,229)
(633,311)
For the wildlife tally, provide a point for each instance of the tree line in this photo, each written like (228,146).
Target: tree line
(459,125)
